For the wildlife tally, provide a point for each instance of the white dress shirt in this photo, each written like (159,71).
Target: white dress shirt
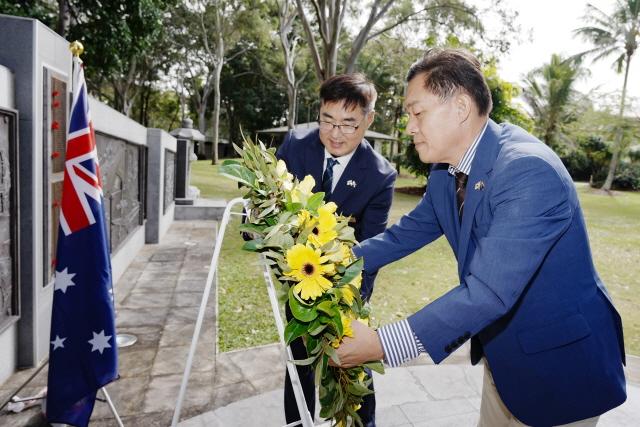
(338,168)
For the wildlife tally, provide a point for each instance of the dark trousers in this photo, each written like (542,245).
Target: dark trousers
(367,411)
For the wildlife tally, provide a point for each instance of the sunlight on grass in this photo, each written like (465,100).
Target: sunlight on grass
(404,287)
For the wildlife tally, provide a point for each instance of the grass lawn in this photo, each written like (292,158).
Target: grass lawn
(245,317)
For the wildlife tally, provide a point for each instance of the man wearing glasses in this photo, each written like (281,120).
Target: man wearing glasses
(353,176)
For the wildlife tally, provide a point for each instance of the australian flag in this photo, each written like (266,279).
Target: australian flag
(83,354)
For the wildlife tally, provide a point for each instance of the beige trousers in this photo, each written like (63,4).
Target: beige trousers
(493,412)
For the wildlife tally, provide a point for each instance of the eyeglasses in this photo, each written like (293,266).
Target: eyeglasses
(344,129)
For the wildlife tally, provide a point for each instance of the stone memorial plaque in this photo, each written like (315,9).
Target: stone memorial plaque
(121,186)
(8,286)
(169,179)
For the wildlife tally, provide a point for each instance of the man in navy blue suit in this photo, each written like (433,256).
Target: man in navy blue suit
(353,176)
(529,297)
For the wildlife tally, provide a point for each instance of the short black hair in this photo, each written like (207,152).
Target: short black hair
(353,89)
(448,70)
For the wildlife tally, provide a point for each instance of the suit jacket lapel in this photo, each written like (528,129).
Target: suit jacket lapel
(482,164)
(314,160)
(354,171)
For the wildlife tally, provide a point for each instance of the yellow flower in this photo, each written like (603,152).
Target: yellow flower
(346,326)
(304,216)
(302,191)
(357,281)
(347,331)
(281,169)
(361,376)
(347,255)
(347,295)
(284,178)
(324,231)
(330,207)
(308,268)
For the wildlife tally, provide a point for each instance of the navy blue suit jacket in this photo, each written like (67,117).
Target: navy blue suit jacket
(529,293)
(368,202)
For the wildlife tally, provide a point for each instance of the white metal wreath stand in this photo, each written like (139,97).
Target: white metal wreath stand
(306,418)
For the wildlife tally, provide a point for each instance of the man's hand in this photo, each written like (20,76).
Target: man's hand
(364,347)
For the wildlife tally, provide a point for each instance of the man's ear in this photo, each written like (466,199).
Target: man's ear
(463,106)
(370,116)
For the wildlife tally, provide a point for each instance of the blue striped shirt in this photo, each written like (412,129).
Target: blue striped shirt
(399,343)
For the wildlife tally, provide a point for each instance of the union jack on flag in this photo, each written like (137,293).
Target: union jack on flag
(83,354)
(82,171)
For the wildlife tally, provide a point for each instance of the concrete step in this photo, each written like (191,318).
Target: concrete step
(201,209)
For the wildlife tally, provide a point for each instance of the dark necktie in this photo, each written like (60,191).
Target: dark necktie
(327,177)
(461,184)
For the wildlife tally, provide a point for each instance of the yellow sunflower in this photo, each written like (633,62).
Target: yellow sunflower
(308,268)
(324,231)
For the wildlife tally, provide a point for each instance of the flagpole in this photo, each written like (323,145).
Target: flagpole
(77,49)
(111,406)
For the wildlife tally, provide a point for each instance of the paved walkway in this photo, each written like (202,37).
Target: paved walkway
(158,299)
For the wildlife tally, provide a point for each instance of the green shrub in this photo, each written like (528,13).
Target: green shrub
(627,177)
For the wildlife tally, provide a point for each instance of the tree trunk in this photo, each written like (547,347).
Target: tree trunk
(291,113)
(313,47)
(286,17)
(617,145)
(215,119)
(64,18)
(202,119)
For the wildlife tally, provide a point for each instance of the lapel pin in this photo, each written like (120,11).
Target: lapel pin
(351,183)
(479,185)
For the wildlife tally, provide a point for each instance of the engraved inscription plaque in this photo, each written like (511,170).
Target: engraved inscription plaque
(8,285)
(169,179)
(121,178)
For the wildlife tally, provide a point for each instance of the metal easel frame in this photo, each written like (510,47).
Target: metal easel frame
(306,418)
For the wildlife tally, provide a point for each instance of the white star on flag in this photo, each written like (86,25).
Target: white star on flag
(100,342)
(63,280)
(58,342)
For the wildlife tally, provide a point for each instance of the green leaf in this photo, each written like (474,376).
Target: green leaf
(239,173)
(328,307)
(305,362)
(294,329)
(299,311)
(279,240)
(316,327)
(352,271)
(376,366)
(337,323)
(253,245)
(327,394)
(315,201)
(313,345)
(252,228)
(358,389)
(332,353)
(293,207)
(231,162)
(321,369)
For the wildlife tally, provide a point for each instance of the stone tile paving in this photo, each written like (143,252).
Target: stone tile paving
(154,303)
(418,395)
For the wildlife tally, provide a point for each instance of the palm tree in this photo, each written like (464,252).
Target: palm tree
(617,34)
(549,92)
